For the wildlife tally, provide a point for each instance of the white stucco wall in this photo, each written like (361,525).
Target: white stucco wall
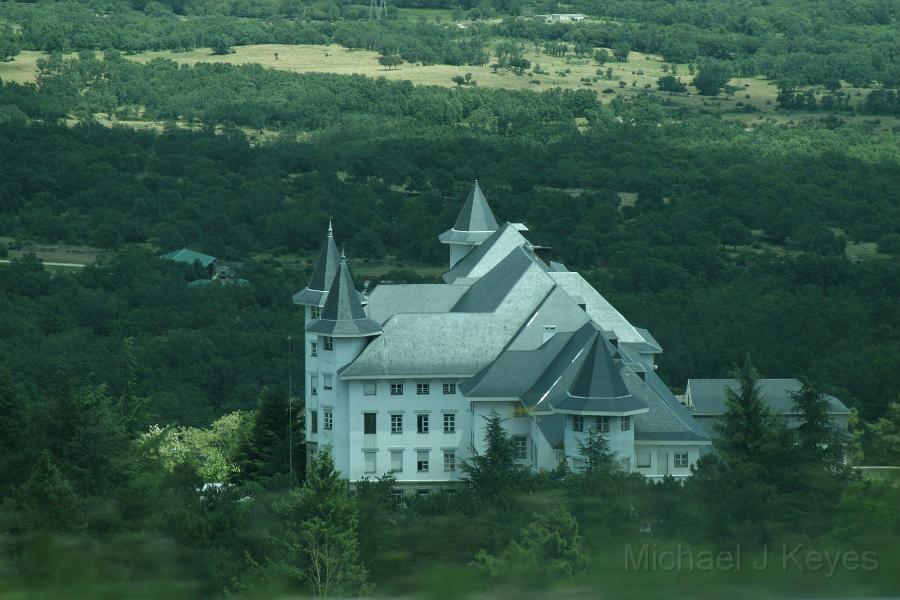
(662,459)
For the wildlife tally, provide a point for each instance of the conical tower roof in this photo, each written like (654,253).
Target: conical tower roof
(343,315)
(324,269)
(599,375)
(475,215)
(475,221)
(598,388)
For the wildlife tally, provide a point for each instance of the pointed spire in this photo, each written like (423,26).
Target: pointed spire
(326,264)
(599,376)
(323,273)
(476,215)
(343,314)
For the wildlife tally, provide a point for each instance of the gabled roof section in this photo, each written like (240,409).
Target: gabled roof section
(668,419)
(343,315)
(435,344)
(475,221)
(517,280)
(190,257)
(602,312)
(389,299)
(708,396)
(324,269)
(487,255)
(557,311)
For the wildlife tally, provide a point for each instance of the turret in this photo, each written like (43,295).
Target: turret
(335,339)
(313,296)
(474,224)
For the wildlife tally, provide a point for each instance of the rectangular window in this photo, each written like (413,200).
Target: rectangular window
(449,389)
(369,462)
(520,411)
(423,493)
(449,460)
(314,384)
(327,420)
(578,423)
(396,461)
(681,459)
(328,381)
(370,388)
(316,312)
(422,389)
(643,459)
(369,423)
(626,423)
(521,443)
(328,343)
(313,349)
(396,423)
(313,421)
(396,389)
(422,423)
(603,424)
(449,423)
(422,461)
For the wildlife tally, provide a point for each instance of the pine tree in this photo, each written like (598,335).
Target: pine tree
(315,540)
(738,485)
(495,475)
(264,455)
(13,429)
(599,460)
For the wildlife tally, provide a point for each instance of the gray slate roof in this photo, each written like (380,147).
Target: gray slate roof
(708,396)
(324,269)
(474,223)
(599,375)
(517,278)
(601,311)
(389,299)
(343,315)
(488,254)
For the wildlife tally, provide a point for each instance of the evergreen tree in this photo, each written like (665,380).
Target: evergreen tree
(496,474)
(737,485)
(264,455)
(599,460)
(13,431)
(315,540)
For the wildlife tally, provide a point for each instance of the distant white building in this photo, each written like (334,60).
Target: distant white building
(562,17)
(400,382)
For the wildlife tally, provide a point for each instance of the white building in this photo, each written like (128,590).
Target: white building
(401,385)
(562,17)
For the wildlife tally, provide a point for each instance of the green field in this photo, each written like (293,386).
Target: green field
(639,75)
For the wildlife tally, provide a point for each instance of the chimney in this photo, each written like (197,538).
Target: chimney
(549,332)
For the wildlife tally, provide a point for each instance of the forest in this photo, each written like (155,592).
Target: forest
(143,422)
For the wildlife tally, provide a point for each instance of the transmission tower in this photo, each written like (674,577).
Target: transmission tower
(377,9)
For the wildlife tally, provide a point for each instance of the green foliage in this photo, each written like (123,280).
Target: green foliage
(670,83)
(711,78)
(548,549)
(389,61)
(885,438)
(621,50)
(314,539)
(265,453)
(494,475)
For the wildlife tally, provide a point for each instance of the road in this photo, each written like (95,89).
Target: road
(52,264)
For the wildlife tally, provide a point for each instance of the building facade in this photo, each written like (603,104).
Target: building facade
(401,382)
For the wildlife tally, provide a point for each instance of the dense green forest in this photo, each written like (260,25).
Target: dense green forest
(144,422)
